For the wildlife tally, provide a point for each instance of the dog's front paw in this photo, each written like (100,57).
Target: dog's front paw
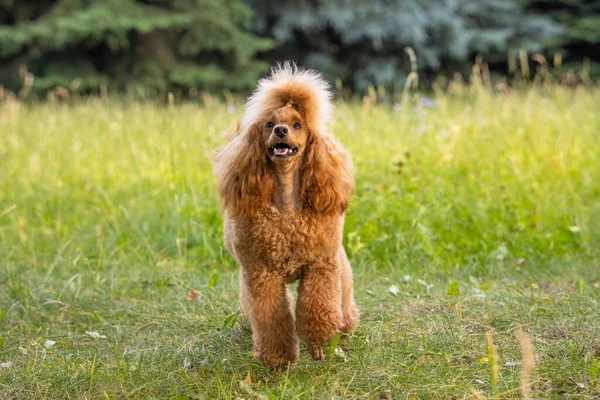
(317,352)
(277,359)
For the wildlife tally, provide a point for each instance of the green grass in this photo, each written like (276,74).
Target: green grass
(480,215)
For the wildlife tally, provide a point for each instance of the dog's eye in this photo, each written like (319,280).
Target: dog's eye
(269,125)
(297,126)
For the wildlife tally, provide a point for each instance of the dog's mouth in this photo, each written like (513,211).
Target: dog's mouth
(282,150)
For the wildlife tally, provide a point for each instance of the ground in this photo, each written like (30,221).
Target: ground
(476,217)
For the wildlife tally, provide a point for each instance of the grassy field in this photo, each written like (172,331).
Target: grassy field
(475,228)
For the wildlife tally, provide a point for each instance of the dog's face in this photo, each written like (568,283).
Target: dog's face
(284,134)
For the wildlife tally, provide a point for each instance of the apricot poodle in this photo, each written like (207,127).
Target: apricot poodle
(285,184)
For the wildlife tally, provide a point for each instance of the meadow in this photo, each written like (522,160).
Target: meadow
(474,237)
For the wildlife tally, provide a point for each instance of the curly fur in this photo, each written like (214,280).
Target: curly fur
(284,219)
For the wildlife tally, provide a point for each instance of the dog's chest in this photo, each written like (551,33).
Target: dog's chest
(285,241)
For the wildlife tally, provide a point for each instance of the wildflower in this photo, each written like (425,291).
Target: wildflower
(427,102)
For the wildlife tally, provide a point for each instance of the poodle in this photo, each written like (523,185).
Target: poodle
(285,184)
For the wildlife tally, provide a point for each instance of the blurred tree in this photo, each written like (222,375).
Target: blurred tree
(152,45)
(580,38)
(362,42)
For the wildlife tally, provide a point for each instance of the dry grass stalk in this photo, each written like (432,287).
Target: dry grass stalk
(476,74)
(27,84)
(493,357)
(512,64)
(524,63)
(413,58)
(412,80)
(527,362)
(485,73)
(557,60)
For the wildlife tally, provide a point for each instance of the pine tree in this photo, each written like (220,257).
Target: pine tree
(363,42)
(580,38)
(146,45)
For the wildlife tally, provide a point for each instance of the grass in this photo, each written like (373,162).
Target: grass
(474,237)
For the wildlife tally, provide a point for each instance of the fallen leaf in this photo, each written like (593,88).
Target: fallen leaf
(191,295)
(95,335)
(340,353)
(453,289)
(501,252)
(248,379)
(423,283)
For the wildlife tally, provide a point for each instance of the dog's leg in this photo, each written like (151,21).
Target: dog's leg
(244,297)
(350,312)
(318,310)
(265,303)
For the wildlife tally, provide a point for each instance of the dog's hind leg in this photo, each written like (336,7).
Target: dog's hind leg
(350,314)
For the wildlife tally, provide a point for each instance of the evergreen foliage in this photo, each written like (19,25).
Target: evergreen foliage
(154,46)
(146,45)
(580,39)
(363,42)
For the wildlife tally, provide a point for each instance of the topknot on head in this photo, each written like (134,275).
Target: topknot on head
(303,89)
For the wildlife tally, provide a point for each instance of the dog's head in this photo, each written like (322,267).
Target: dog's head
(285,123)
(284,134)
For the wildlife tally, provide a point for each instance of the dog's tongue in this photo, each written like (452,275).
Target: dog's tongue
(281,150)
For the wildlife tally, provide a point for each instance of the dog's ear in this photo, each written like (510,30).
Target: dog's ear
(327,175)
(246,183)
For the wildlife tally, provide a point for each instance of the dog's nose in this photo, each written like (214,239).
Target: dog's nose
(280,130)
